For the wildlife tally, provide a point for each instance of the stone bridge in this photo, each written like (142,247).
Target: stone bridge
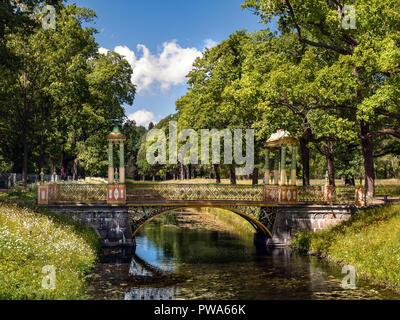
(119,211)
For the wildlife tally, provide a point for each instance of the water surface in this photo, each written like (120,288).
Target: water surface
(171,262)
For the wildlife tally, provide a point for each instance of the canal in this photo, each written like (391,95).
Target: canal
(192,255)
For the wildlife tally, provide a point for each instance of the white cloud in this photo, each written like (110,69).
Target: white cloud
(209,43)
(142,117)
(166,68)
(103,50)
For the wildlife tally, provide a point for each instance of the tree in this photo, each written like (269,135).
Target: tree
(209,103)
(63,97)
(364,74)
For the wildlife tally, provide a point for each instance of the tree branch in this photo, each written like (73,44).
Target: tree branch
(313,43)
(383,132)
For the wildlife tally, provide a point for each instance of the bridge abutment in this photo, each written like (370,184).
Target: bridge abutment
(110,222)
(294,218)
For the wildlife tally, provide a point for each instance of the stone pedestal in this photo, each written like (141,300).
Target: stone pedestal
(329,193)
(42,194)
(360,197)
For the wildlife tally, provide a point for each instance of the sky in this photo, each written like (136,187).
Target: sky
(161,39)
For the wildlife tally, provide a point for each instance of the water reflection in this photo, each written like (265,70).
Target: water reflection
(175,263)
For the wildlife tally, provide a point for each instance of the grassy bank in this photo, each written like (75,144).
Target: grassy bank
(369,241)
(30,239)
(224,220)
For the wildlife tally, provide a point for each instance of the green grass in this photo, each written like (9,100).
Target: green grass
(233,222)
(20,193)
(32,238)
(369,241)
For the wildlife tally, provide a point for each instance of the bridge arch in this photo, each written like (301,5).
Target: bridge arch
(140,216)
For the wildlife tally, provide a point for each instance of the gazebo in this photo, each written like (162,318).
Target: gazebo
(281,142)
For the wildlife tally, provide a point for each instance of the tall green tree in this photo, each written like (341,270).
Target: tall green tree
(64,96)
(364,76)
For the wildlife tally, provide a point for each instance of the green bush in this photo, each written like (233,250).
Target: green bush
(370,241)
(30,239)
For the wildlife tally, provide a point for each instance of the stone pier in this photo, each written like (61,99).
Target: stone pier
(294,218)
(110,222)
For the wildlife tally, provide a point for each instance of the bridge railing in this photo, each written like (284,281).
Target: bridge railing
(194,192)
(329,194)
(58,193)
(163,193)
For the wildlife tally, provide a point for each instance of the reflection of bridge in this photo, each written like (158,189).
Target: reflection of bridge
(258,204)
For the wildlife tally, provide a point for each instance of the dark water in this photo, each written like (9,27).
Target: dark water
(175,263)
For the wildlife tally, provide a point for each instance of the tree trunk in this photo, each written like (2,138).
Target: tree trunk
(349,181)
(305,160)
(330,160)
(188,172)
(211,174)
(83,173)
(25,130)
(254,176)
(181,172)
(75,170)
(393,168)
(64,166)
(368,153)
(232,172)
(217,175)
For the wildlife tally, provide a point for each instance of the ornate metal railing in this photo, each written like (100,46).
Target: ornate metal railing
(327,194)
(167,193)
(310,194)
(194,192)
(344,194)
(77,193)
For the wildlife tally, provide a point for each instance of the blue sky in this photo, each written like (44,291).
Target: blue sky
(161,39)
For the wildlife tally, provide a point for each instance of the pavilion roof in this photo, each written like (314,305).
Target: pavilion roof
(116,135)
(279,138)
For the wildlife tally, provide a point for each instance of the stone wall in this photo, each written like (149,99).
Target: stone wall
(110,222)
(292,219)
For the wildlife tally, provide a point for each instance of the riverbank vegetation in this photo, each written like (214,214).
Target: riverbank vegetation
(31,239)
(369,241)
